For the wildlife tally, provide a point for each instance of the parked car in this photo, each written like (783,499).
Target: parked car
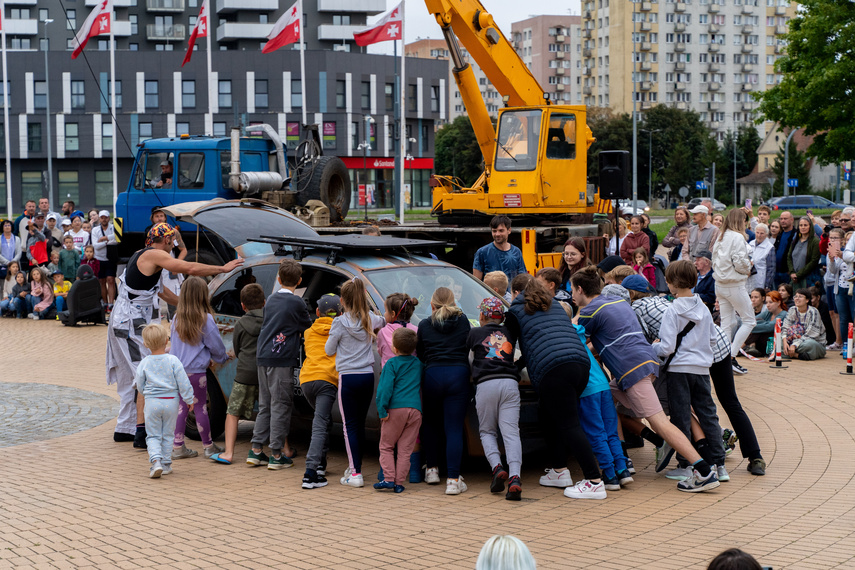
(807,202)
(626,208)
(385,264)
(717,206)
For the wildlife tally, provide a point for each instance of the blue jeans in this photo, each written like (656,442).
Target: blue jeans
(445,397)
(32,301)
(599,419)
(846,311)
(60,304)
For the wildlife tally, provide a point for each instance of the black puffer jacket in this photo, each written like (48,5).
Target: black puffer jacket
(443,344)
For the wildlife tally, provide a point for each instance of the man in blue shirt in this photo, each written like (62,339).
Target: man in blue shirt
(782,273)
(499,255)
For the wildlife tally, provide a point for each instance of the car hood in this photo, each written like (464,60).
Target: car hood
(238,221)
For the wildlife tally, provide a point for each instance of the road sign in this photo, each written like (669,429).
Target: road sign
(793,183)
(683,191)
(700,185)
(846,176)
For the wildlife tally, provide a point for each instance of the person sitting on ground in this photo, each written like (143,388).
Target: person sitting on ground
(18,297)
(633,241)
(786,292)
(6,296)
(802,333)
(498,282)
(40,299)
(756,342)
(61,287)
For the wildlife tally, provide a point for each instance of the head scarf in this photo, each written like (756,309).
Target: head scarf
(158,230)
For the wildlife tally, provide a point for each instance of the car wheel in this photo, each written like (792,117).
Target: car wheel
(216,411)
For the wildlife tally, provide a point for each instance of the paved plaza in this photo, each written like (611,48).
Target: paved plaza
(71,497)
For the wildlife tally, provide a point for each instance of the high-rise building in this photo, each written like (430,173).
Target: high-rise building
(551,48)
(156,97)
(705,55)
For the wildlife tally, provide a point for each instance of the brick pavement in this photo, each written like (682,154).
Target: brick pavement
(81,500)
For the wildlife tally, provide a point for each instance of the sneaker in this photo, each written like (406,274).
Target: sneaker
(284,462)
(167,469)
(352,479)
(322,471)
(738,368)
(384,486)
(399,488)
(514,489)
(584,489)
(156,470)
(664,453)
(555,479)
(834,346)
(213,449)
(729,439)
(455,486)
(612,484)
(696,483)
(629,466)
(721,473)
(757,467)
(432,476)
(313,481)
(679,474)
(183,452)
(255,459)
(624,478)
(120,437)
(35,317)
(499,478)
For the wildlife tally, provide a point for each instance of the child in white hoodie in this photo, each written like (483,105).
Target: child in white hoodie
(687,337)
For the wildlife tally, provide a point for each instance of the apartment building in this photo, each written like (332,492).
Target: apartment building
(156,97)
(705,55)
(551,47)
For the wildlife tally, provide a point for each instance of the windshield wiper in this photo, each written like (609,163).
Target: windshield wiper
(504,148)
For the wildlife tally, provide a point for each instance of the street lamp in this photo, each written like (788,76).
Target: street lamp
(365,146)
(650,165)
(47,21)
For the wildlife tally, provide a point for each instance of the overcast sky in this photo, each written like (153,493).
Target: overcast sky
(420,24)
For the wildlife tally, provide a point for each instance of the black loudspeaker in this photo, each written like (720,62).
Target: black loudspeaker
(614,175)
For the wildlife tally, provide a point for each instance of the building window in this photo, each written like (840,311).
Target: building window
(2,137)
(341,20)
(261,95)
(72,138)
(219,129)
(110,93)
(103,187)
(78,100)
(340,96)
(434,98)
(182,129)
(44,44)
(71,19)
(69,185)
(32,186)
(354,138)
(131,47)
(145,132)
(365,95)
(107,136)
(389,92)
(225,93)
(40,99)
(20,43)
(133,18)
(151,95)
(34,137)
(188,94)
(412,97)
(296,93)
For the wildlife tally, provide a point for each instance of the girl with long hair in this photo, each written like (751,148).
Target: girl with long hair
(803,257)
(441,346)
(40,299)
(637,238)
(573,258)
(351,340)
(399,311)
(196,341)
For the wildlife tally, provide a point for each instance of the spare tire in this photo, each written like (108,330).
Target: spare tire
(328,180)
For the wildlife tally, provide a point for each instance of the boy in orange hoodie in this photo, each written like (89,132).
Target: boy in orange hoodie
(319,382)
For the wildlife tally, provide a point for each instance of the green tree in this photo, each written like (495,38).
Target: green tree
(747,141)
(457,152)
(680,169)
(816,91)
(613,132)
(798,169)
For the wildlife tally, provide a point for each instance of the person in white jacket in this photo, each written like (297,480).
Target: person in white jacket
(760,248)
(732,266)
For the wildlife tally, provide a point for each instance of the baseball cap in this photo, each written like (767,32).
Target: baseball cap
(57,272)
(66,222)
(329,305)
(637,283)
(52,217)
(492,308)
(700,209)
(103,213)
(706,254)
(39,214)
(165,163)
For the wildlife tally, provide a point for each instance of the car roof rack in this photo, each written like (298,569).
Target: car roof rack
(336,244)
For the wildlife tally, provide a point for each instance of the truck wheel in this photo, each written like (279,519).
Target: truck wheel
(326,180)
(216,411)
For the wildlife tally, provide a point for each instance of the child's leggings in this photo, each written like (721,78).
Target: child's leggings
(355,392)
(497,402)
(160,417)
(445,397)
(200,401)
(599,419)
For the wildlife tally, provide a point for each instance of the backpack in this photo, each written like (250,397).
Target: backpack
(659,268)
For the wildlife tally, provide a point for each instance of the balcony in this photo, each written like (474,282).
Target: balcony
(780,10)
(713,8)
(373,7)
(559,87)
(713,28)
(586,71)
(646,26)
(645,86)
(714,68)
(646,105)
(746,9)
(21,3)
(116,3)
(586,90)
(330,32)
(587,52)
(29,27)
(164,5)
(586,34)
(122,28)
(558,55)
(715,106)
(780,49)
(680,46)
(748,29)
(714,48)
(646,6)
(589,15)
(680,7)
(559,39)
(747,86)
(747,106)
(680,86)
(682,105)
(646,66)
(646,46)
(231,31)
(680,66)
(747,67)
(781,30)
(747,48)
(679,27)
(174,33)
(715,125)
(229,6)
(559,71)
(714,86)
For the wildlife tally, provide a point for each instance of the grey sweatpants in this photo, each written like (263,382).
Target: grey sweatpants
(810,349)
(321,396)
(497,402)
(275,402)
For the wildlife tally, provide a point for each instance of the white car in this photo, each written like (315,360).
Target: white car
(626,208)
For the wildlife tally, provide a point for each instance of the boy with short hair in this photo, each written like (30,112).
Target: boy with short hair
(278,353)
(161,378)
(399,406)
(89,259)
(497,395)
(60,290)
(687,338)
(498,282)
(245,388)
(69,258)
(319,382)
(519,283)
(53,266)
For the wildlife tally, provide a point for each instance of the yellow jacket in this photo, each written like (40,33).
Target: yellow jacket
(318,366)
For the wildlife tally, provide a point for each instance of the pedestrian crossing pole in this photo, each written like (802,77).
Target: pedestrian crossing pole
(849,353)
(779,364)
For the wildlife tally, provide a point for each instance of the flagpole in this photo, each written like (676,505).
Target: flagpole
(113,105)
(211,88)
(403,128)
(9,213)
(302,64)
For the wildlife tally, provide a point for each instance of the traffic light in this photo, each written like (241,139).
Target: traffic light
(708,173)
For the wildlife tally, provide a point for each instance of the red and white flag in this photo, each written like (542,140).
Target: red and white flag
(200,30)
(388,28)
(96,24)
(287,29)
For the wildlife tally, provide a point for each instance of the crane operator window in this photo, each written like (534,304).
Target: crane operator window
(519,136)
(561,136)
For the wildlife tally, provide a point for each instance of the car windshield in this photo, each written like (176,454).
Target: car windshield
(236,224)
(420,283)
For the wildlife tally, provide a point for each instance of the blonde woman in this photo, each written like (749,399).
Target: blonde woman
(441,346)
(731,265)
